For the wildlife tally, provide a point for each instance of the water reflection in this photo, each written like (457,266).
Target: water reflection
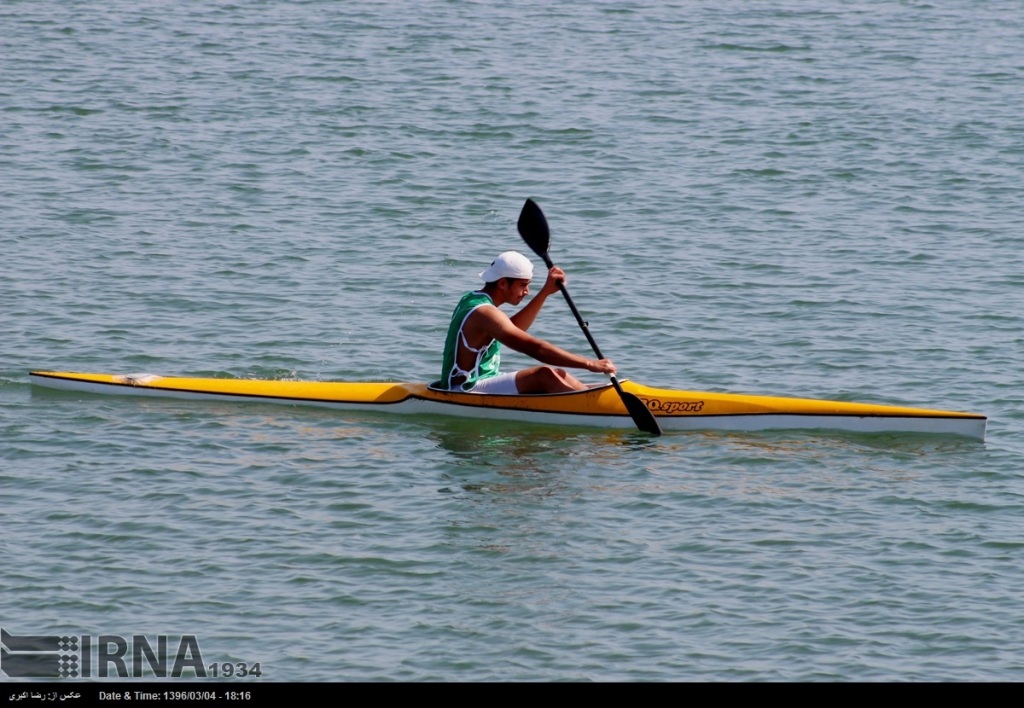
(528,447)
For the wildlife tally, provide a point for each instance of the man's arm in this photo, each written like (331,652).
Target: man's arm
(495,324)
(525,317)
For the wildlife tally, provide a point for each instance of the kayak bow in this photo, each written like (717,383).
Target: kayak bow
(600,406)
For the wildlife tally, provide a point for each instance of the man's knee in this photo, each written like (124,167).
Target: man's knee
(553,375)
(547,379)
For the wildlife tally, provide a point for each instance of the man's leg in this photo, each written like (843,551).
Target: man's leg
(545,379)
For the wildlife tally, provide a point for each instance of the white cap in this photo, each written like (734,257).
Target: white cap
(509,264)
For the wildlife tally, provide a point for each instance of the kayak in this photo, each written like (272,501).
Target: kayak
(600,406)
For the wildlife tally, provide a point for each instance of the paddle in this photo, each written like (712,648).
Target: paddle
(533,227)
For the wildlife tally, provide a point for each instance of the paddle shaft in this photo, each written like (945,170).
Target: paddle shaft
(579,320)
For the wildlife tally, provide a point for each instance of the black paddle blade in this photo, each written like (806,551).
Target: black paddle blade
(641,414)
(533,227)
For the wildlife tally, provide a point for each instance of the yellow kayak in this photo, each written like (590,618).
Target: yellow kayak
(600,406)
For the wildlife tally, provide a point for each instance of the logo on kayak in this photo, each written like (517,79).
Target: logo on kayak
(672,407)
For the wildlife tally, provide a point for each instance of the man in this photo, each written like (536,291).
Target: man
(479,328)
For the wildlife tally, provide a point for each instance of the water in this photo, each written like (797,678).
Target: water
(817,199)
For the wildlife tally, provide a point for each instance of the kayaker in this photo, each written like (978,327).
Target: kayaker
(478,329)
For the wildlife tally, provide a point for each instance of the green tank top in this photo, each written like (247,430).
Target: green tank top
(488,357)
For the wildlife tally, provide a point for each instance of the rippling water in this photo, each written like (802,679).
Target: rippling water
(817,199)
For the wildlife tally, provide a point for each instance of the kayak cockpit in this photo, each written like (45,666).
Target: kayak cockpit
(436,386)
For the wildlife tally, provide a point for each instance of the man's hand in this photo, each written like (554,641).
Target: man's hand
(555,276)
(601,366)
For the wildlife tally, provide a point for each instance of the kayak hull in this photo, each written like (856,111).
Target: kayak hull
(597,407)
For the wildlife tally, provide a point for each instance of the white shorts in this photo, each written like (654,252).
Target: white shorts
(502,383)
